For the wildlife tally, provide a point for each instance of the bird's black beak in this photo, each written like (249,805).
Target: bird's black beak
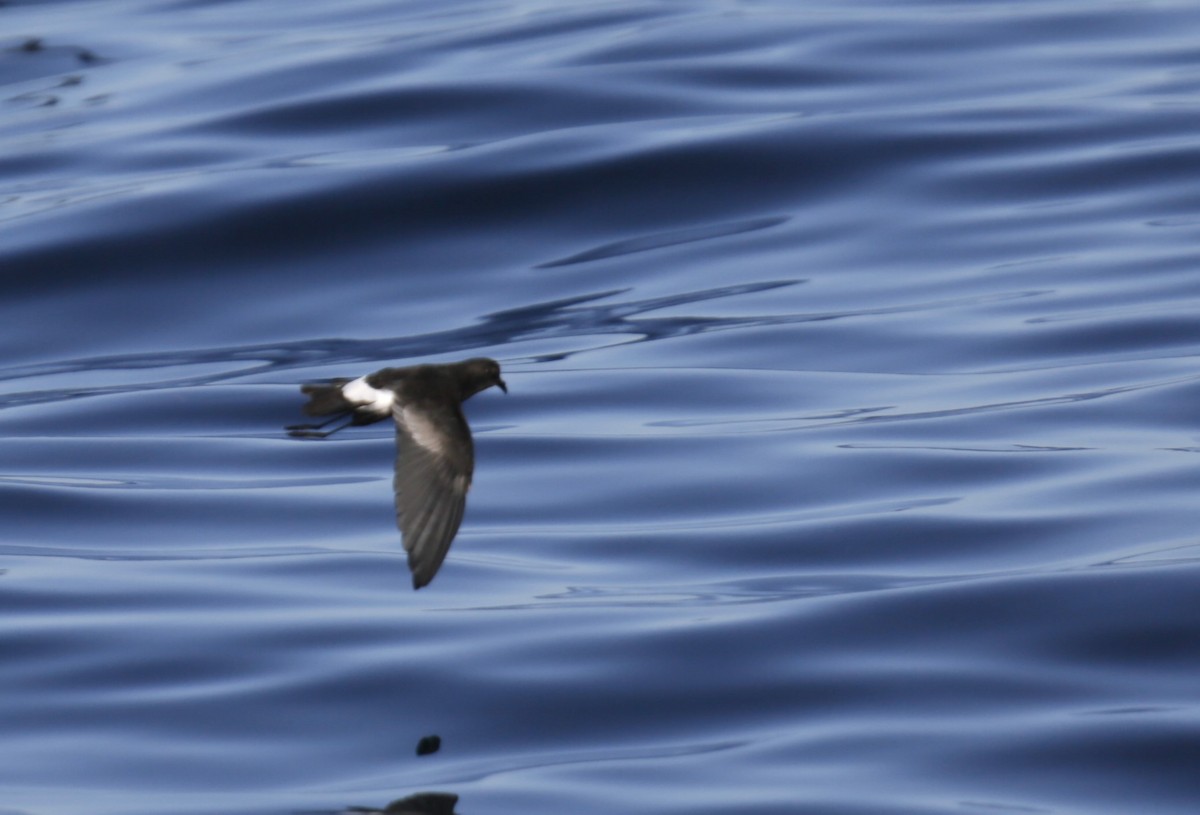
(500,384)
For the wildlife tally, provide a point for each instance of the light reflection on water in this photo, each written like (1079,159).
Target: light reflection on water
(846,467)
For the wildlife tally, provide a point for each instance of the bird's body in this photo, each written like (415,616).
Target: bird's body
(435,457)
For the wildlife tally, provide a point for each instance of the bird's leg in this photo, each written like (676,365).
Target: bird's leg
(306,433)
(314,430)
(342,415)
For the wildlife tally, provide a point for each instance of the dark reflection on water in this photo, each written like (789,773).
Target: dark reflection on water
(673,238)
(848,466)
(556,319)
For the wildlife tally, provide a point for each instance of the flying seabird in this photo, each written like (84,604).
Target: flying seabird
(435,456)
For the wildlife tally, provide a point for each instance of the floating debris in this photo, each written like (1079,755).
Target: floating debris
(428,745)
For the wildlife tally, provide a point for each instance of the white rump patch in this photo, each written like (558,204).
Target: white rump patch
(372,400)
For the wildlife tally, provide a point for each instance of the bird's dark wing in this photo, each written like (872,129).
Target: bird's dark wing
(434,462)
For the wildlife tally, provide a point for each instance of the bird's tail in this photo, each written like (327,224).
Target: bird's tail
(326,398)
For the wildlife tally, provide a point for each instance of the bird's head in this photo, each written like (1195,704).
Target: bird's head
(479,374)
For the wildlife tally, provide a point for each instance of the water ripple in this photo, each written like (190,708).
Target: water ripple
(849,460)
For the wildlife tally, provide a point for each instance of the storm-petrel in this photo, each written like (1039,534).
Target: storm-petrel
(434,452)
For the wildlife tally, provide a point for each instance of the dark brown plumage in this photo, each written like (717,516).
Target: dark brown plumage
(435,457)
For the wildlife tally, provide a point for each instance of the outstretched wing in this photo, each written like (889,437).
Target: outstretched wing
(434,462)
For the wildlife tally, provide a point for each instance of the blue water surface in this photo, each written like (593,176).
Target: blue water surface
(850,460)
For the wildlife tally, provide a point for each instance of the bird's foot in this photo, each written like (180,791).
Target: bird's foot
(306,431)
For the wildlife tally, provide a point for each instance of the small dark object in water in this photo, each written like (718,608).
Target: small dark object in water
(32,45)
(435,456)
(428,745)
(423,803)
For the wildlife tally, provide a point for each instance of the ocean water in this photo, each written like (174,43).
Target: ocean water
(850,460)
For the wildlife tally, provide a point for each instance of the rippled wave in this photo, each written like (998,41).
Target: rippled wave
(849,459)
